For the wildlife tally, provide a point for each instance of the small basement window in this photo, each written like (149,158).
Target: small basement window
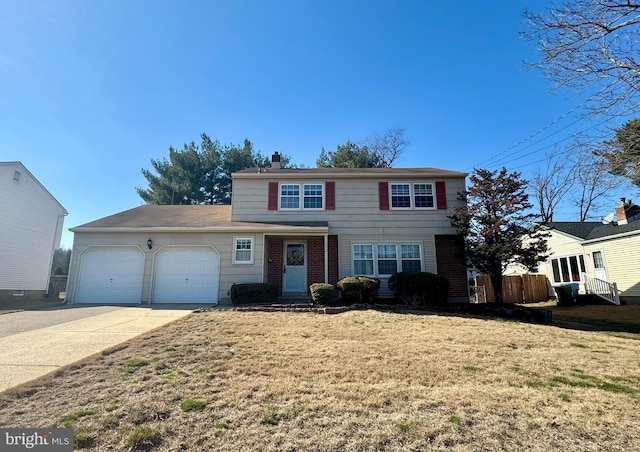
(18,293)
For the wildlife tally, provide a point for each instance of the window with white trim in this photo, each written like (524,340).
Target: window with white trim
(243,250)
(385,259)
(567,269)
(419,195)
(310,197)
(289,196)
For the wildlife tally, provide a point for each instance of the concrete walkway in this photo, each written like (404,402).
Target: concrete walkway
(26,355)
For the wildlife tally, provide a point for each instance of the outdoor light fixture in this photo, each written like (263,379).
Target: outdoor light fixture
(149,243)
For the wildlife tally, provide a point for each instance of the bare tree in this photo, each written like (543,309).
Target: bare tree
(550,186)
(596,187)
(591,46)
(388,146)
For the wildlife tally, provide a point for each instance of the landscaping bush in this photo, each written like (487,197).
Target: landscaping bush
(254,293)
(322,293)
(358,289)
(420,288)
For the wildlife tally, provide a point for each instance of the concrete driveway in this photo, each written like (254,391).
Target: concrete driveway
(34,343)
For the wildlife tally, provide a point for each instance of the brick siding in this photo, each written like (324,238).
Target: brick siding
(451,263)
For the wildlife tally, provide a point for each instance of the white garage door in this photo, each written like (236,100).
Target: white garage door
(111,275)
(186,275)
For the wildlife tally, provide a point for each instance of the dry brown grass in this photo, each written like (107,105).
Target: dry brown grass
(361,380)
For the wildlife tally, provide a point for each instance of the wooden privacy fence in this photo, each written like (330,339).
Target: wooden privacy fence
(517,288)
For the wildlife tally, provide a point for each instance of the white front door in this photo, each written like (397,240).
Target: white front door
(295,267)
(599,268)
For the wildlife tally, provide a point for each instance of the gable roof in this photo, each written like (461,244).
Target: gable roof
(187,218)
(21,167)
(350,172)
(591,230)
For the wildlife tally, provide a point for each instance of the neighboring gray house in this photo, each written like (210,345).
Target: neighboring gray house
(31,221)
(293,227)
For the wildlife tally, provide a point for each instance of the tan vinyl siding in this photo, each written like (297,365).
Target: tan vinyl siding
(356,207)
(223,243)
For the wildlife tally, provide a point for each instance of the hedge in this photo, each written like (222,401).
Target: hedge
(420,288)
(358,289)
(254,293)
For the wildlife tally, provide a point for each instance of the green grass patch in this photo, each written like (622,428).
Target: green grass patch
(143,437)
(618,389)
(536,384)
(578,345)
(471,368)
(193,405)
(222,426)
(69,419)
(455,420)
(405,427)
(83,437)
(131,365)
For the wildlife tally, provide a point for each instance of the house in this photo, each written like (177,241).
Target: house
(31,221)
(293,227)
(606,250)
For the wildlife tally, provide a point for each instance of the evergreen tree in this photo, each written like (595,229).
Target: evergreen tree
(496,227)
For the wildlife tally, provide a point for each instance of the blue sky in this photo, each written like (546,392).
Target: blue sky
(91,91)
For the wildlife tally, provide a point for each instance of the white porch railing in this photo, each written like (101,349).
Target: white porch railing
(603,289)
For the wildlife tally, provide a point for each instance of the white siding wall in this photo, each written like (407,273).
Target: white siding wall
(223,243)
(30,229)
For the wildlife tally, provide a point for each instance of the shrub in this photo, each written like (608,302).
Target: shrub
(254,293)
(359,289)
(419,288)
(322,293)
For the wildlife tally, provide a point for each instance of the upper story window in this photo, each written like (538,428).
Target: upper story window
(290,196)
(412,195)
(313,196)
(243,250)
(309,196)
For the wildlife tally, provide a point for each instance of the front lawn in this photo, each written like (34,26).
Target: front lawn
(359,380)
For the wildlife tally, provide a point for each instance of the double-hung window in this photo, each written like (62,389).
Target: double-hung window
(412,195)
(305,196)
(385,259)
(410,257)
(289,196)
(363,259)
(243,250)
(312,196)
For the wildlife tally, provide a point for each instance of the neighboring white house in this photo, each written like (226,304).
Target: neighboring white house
(607,250)
(292,227)
(31,221)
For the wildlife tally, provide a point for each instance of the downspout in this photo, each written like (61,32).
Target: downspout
(326,258)
(53,250)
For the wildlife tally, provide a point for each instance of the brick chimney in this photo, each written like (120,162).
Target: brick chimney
(275,160)
(621,211)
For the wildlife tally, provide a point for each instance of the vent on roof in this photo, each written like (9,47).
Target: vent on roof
(16,176)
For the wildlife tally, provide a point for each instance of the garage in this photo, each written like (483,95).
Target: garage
(111,275)
(186,275)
